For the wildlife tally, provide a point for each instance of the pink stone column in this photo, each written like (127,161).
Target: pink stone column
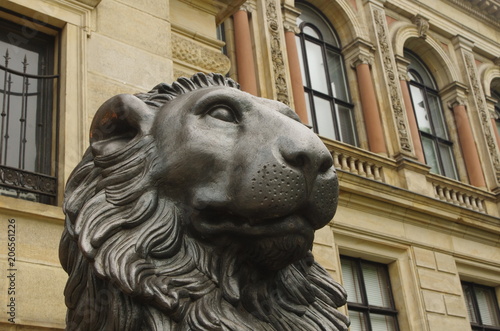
(369,105)
(244,53)
(296,77)
(468,144)
(412,122)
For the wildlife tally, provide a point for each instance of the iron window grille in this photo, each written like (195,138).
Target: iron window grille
(482,307)
(329,107)
(438,149)
(29,102)
(370,302)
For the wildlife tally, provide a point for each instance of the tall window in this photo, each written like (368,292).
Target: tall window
(330,110)
(370,302)
(436,143)
(28,90)
(482,307)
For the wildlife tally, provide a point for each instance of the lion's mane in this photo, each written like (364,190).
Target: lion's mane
(133,266)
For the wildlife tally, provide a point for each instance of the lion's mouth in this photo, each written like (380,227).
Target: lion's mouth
(271,243)
(210,222)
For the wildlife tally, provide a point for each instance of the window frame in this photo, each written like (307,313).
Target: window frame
(42,184)
(433,136)
(365,308)
(480,326)
(311,93)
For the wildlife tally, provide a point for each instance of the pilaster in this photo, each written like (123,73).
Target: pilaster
(463,48)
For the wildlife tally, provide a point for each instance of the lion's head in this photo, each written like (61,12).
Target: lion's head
(194,208)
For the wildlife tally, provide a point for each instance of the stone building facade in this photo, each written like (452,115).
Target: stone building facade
(404,93)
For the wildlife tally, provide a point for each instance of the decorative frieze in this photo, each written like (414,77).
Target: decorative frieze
(199,57)
(277,57)
(392,79)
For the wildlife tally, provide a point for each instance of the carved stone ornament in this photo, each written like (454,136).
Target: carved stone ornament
(422,24)
(392,79)
(194,208)
(197,56)
(276,53)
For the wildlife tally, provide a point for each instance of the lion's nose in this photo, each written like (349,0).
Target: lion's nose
(312,158)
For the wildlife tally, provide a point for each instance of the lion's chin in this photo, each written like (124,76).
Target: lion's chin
(275,253)
(271,243)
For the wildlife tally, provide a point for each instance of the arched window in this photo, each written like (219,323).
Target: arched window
(438,149)
(329,106)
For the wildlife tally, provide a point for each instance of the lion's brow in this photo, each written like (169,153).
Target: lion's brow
(289,113)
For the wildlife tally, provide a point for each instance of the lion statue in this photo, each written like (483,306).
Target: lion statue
(194,208)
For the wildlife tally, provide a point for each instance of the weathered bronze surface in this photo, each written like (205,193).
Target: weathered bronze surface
(194,208)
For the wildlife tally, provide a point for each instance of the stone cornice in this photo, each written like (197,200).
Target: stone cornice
(487,10)
(91,3)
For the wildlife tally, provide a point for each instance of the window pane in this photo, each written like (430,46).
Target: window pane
(486,303)
(27,102)
(382,322)
(308,108)
(324,118)
(419,66)
(309,15)
(351,282)
(469,303)
(311,32)
(430,154)
(301,57)
(347,125)
(447,159)
(437,116)
(377,287)
(316,67)
(357,321)
(337,75)
(420,110)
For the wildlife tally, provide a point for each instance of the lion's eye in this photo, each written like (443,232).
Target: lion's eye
(223,114)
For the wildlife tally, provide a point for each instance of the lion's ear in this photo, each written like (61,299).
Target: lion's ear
(118,121)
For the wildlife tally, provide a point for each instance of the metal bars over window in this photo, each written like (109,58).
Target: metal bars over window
(369,295)
(28,94)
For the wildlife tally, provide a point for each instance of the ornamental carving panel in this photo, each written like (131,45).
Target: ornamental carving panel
(199,57)
(392,79)
(276,53)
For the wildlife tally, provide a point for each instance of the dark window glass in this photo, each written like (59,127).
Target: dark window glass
(369,295)
(482,306)
(495,94)
(329,106)
(438,149)
(28,94)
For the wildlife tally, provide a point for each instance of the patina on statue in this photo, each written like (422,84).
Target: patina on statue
(194,208)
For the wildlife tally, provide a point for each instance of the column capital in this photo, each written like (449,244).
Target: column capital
(380,3)
(361,59)
(290,15)
(248,6)
(454,94)
(359,51)
(460,41)
(457,102)
(402,64)
(291,27)
(422,24)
